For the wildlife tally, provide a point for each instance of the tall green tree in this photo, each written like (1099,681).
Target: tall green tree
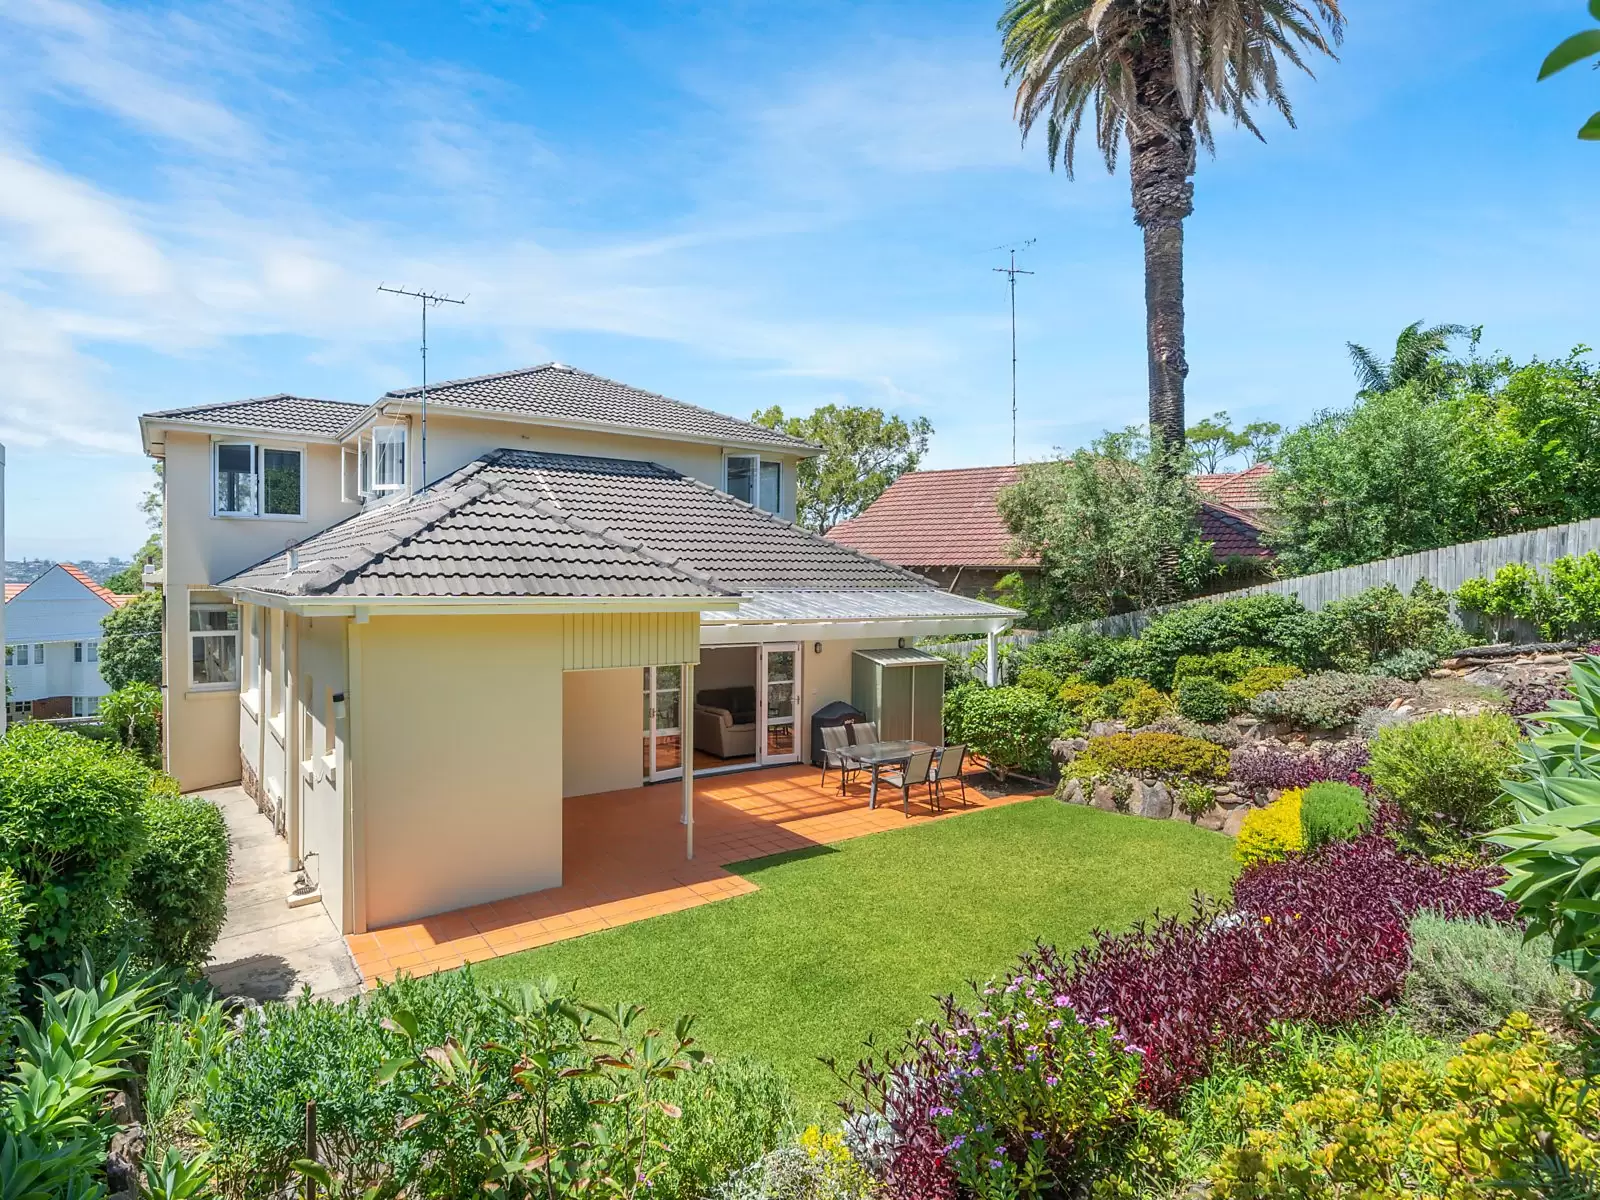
(130,642)
(1213,441)
(863,451)
(1156,72)
(1102,524)
(1420,356)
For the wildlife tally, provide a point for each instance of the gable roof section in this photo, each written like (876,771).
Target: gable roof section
(98,590)
(563,394)
(951,519)
(1244,491)
(516,523)
(282,413)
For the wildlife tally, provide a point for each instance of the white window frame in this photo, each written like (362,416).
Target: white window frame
(77,652)
(757,471)
(391,434)
(85,706)
(94,651)
(38,654)
(235,633)
(19,708)
(11,656)
(258,453)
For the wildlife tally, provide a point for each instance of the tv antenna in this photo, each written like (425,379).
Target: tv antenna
(1011,274)
(427,300)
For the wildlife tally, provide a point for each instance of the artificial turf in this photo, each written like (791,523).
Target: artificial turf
(856,939)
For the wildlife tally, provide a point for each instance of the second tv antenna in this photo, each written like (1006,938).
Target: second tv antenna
(433,300)
(1011,273)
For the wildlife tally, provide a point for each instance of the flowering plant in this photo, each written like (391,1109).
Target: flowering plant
(1035,1100)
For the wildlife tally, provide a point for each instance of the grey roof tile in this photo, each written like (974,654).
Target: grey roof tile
(291,414)
(520,523)
(564,393)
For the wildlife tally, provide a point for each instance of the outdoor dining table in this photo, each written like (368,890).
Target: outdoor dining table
(877,755)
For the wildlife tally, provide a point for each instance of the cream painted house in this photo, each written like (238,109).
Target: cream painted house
(413,635)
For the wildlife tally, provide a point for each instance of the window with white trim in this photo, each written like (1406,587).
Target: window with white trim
(85,652)
(94,652)
(388,459)
(19,709)
(254,480)
(11,656)
(85,706)
(213,646)
(755,482)
(38,654)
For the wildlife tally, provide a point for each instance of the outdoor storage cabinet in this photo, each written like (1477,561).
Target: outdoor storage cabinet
(901,690)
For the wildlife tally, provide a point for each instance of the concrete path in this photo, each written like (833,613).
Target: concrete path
(269,951)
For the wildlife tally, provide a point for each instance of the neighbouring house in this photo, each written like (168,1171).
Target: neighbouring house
(412,667)
(52,639)
(946,525)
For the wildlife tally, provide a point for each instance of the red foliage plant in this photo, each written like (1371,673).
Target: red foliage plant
(1320,938)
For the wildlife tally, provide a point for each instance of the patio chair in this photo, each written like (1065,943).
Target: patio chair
(947,767)
(863,733)
(915,771)
(835,754)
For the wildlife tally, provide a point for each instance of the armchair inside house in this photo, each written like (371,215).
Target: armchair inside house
(725,721)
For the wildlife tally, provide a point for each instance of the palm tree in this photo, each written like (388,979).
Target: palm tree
(1417,352)
(1155,71)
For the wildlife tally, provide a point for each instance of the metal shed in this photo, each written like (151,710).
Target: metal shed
(903,691)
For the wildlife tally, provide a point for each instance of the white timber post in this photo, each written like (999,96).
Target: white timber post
(994,659)
(686,744)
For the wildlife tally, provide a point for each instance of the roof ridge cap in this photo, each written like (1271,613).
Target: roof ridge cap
(551,507)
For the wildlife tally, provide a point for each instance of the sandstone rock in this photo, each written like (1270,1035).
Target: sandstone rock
(1215,820)
(1105,728)
(1104,797)
(1071,792)
(1152,800)
(1234,821)
(1064,750)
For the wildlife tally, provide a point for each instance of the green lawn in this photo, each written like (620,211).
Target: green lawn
(856,939)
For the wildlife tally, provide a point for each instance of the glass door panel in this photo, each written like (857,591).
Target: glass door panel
(778,698)
(663,730)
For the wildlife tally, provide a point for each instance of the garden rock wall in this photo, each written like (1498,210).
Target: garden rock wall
(1456,685)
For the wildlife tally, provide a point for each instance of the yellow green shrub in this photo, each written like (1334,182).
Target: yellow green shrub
(1411,1129)
(1273,832)
(1263,679)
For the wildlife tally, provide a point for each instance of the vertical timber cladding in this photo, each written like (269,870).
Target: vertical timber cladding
(592,641)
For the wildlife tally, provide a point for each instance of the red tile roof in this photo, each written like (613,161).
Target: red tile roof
(949,518)
(1241,490)
(112,598)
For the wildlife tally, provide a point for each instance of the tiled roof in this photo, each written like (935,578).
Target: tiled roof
(518,523)
(563,393)
(950,518)
(1241,490)
(115,599)
(291,414)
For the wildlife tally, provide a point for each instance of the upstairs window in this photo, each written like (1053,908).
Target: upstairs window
(258,481)
(213,646)
(388,459)
(753,481)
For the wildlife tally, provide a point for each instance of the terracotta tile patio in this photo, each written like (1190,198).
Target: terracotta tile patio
(623,861)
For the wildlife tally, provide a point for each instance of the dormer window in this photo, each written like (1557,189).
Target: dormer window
(388,459)
(753,481)
(252,480)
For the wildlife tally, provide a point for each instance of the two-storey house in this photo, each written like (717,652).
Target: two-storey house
(413,635)
(52,640)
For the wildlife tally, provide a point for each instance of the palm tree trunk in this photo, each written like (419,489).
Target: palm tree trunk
(1161,167)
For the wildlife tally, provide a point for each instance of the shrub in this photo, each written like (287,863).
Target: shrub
(1062,654)
(1264,679)
(1564,602)
(1225,666)
(12,913)
(1374,721)
(1469,976)
(133,714)
(130,645)
(71,829)
(820,1167)
(1271,833)
(733,1113)
(1270,622)
(1382,622)
(1328,699)
(1118,659)
(956,697)
(1012,729)
(1204,699)
(1526,699)
(1270,765)
(1036,679)
(1145,706)
(1414,1128)
(1078,699)
(1218,735)
(1410,665)
(1156,753)
(1444,773)
(179,886)
(1193,798)
(1333,812)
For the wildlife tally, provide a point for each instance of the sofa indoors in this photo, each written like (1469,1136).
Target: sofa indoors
(725,721)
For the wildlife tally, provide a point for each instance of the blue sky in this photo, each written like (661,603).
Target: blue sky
(738,204)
